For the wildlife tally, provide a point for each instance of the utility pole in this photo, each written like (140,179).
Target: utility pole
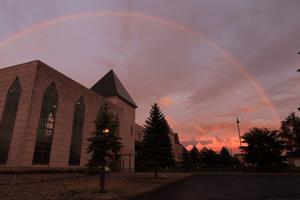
(298,71)
(239,132)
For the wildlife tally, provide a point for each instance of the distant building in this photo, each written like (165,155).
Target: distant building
(46,117)
(177,147)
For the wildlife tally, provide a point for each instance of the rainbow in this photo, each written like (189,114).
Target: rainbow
(178,26)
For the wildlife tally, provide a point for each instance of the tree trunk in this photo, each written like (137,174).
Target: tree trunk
(102,178)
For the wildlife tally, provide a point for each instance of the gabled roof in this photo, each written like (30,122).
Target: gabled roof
(110,85)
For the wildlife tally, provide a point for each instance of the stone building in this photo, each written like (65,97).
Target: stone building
(46,117)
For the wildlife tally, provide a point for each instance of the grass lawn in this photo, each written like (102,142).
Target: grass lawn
(80,186)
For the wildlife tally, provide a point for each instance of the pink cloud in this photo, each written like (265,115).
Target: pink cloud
(165,101)
(214,135)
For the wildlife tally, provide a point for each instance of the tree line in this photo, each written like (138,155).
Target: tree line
(262,148)
(208,158)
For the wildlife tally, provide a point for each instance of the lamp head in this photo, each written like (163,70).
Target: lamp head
(106,131)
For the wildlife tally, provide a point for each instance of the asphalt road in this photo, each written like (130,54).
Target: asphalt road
(230,187)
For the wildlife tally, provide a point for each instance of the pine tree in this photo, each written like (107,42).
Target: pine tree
(187,161)
(104,143)
(156,149)
(225,157)
(209,158)
(195,156)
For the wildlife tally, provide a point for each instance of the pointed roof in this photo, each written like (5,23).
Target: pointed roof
(110,85)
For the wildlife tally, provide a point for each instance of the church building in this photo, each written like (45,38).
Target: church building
(46,117)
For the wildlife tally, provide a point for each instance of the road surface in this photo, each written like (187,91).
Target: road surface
(230,187)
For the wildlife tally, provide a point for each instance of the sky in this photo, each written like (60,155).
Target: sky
(205,61)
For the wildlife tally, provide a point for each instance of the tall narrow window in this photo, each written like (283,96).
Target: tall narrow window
(77,130)
(46,126)
(8,118)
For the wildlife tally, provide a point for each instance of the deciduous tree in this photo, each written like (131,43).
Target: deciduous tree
(264,147)
(290,128)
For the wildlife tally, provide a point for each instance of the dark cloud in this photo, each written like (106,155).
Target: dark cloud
(195,142)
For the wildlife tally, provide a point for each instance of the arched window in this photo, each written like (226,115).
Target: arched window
(46,126)
(77,131)
(8,118)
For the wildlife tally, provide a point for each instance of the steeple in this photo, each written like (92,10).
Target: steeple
(110,85)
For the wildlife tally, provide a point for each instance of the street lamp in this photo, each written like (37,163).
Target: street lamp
(106,131)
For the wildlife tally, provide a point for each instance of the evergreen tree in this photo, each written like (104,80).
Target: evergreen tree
(187,161)
(209,158)
(195,156)
(104,143)
(156,151)
(225,158)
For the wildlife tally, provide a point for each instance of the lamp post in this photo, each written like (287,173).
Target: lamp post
(106,132)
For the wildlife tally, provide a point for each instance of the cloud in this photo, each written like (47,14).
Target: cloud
(165,101)
(215,143)
(220,140)
(195,142)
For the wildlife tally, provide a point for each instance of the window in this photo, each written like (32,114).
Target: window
(8,119)
(46,126)
(77,131)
